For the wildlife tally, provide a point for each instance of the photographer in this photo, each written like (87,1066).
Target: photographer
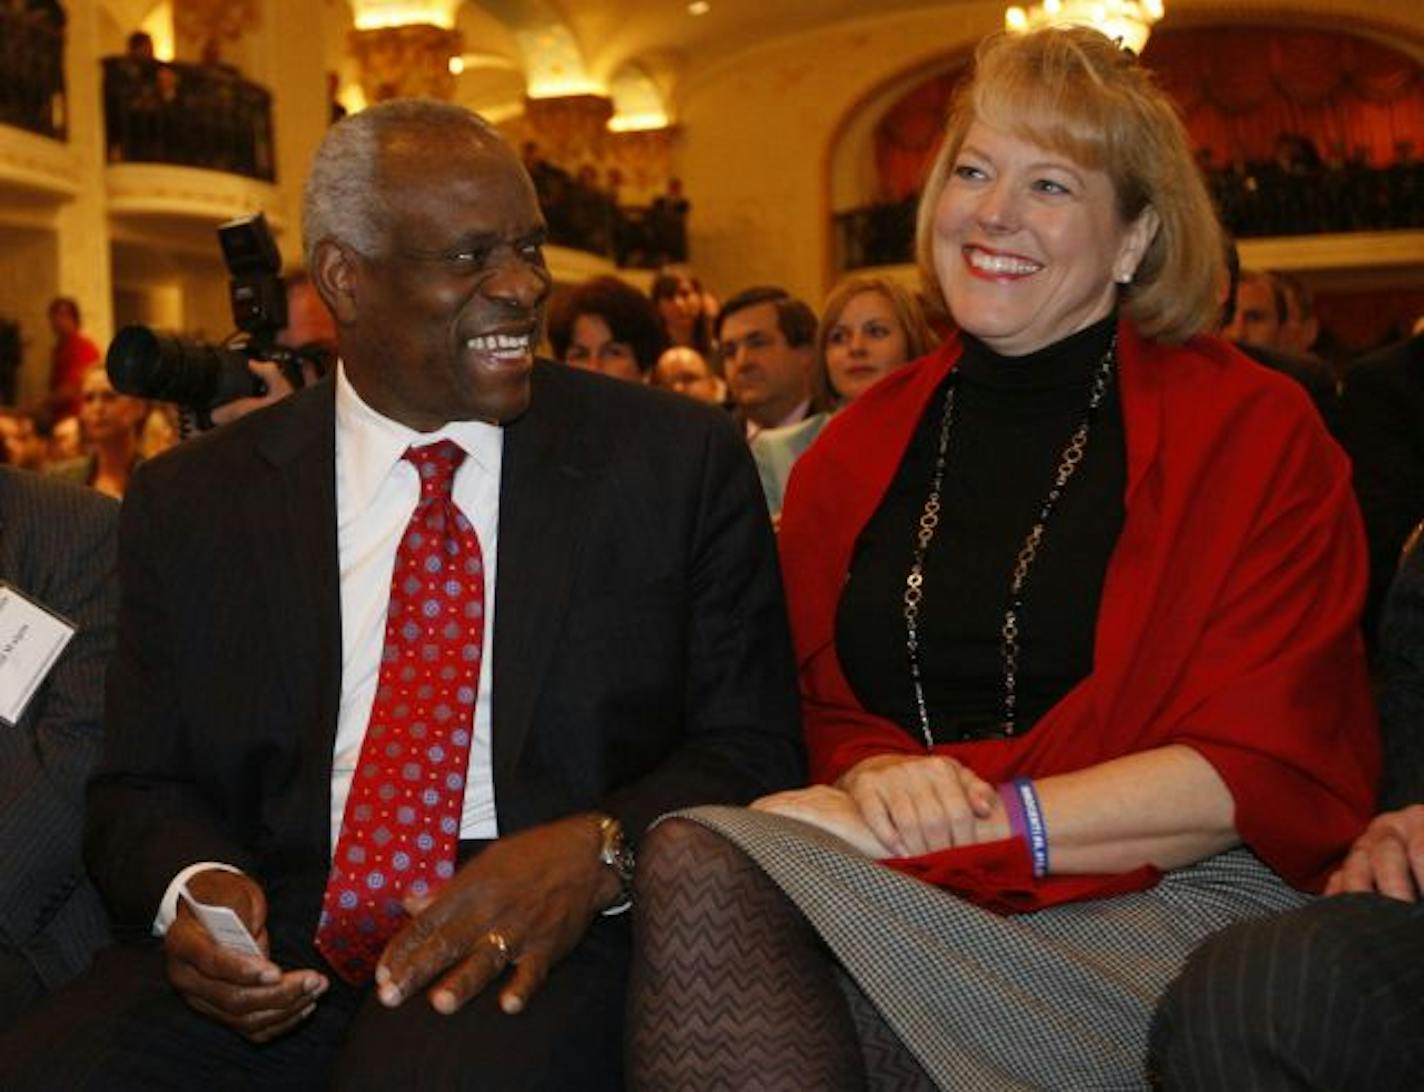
(285,339)
(309,327)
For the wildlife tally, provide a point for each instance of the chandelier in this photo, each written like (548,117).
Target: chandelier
(1125,21)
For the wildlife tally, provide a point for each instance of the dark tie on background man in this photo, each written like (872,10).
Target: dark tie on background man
(401,826)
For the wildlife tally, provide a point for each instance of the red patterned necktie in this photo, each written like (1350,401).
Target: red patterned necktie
(402,820)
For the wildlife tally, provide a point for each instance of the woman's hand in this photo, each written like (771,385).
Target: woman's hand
(830,809)
(916,804)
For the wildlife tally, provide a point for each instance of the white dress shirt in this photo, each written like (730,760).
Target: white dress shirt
(798,413)
(376,492)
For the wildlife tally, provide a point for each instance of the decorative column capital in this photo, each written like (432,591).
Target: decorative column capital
(406,61)
(570,129)
(216,23)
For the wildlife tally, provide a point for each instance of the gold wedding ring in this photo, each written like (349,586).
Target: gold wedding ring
(497,940)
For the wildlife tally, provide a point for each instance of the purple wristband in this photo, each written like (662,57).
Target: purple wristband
(1036,829)
(1013,809)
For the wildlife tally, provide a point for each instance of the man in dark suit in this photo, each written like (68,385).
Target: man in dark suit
(1382,427)
(640,662)
(1332,995)
(57,549)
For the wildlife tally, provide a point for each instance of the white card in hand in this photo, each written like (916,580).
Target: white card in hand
(31,639)
(223,925)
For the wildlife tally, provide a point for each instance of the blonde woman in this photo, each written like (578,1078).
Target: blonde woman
(1074,602)
(870,326)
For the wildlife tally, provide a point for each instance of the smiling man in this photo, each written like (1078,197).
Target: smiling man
(407,663)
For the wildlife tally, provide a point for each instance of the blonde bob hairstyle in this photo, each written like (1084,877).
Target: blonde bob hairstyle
(1073,91)
(919,338)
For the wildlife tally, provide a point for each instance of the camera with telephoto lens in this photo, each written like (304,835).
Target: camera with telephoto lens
(200,376)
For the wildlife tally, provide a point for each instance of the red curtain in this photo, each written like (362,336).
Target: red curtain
(1239,88)
(908,136)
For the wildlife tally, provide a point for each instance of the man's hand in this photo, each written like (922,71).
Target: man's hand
(252,996)
(917,804)
(830,809)
(1387,858)
(536,890)
(277,389)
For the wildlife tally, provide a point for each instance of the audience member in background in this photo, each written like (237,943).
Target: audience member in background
(1257,319)
(682,310)
(685,370)
(667,223)
(110,422)
(139,46)
(57,550)
(606,325)
(1074,601)
(767,340)
(26,446)
(869,327)
(1301,329)
(159,431)
(72,355)
(1259,312)
(1332,995)
(1382,427)
(66,441)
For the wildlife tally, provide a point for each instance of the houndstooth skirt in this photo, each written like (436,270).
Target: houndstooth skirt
(1057,999)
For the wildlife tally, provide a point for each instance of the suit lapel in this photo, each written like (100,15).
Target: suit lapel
(543,492)
(292,523)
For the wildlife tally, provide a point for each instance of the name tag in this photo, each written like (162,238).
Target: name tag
(31,640)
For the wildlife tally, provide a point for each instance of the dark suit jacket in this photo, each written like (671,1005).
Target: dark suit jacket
(641,659)
(56,546)
(1382,427)
(1401,699)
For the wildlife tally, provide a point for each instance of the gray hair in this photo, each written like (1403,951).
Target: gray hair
(343,199)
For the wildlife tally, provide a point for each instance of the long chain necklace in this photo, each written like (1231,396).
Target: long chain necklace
(1009,647)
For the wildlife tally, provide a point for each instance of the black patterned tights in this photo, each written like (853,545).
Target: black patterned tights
(732,988)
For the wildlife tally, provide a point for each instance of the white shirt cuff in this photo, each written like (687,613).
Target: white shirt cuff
(168,908)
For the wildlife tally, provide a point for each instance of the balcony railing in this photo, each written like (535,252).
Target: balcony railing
(583,217)
(876,234)
(187,115)
(1254,202)
(1263,199)
(32,72)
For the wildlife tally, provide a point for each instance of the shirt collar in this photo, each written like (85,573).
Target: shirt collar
(797,415)
(369,445)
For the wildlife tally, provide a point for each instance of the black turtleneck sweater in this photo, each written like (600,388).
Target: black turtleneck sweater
(1013,417)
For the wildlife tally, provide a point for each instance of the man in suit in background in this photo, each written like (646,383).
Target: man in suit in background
(768,342)
(56,549)
(454,591)
(1382,428)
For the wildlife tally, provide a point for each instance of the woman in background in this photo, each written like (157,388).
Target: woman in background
(605,325)
(110,424)
(682,310)
(870,326)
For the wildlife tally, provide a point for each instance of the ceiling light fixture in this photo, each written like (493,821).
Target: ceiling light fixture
(380,14)
(1126,21)
(698,7)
